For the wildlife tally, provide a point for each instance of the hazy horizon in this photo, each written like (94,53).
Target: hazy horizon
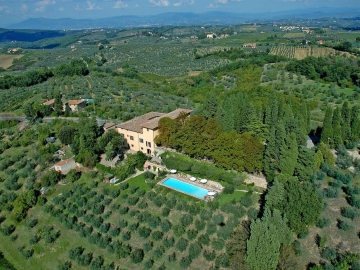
(13,11)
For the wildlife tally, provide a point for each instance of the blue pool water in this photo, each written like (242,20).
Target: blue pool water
(185,188)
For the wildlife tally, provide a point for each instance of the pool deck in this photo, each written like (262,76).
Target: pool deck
(210,185)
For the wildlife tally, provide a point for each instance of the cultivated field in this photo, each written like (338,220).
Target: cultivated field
(6,60)
(294,35)
(304,51)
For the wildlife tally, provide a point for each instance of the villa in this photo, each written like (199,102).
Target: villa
(139,133)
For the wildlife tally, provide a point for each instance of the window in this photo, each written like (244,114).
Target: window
(148,144)
(132,145)
(141,140)
(141,148)
(122,135)
(132,138)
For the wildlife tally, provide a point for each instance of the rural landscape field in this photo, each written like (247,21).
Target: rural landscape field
(265,117)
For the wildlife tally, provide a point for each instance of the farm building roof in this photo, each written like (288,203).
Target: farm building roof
(49,102)
(154,123)
(108,125)
(65,161)
(150,120)
(136,123)
(74,102)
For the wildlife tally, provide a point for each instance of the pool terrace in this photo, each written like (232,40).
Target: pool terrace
(209,186)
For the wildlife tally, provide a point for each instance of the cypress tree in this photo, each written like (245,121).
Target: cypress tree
(271,113)
(240,102)
(210,106)
(336,125)
(327,130)
(58,105)
(355,124)
(305,164)
(228,115)
(270,162)
(279,140)
(346,121)
(288,155)
(267,236)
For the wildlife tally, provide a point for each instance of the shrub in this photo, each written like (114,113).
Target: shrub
(126,235)
(303,235)
(123,223)
(137,256)
(229,189)
(172,257)
(169,242)
(204,239)
(199,224)
(222,261)
(148,246)
(192,234)
(349,212)
(323,222)
(211,228)
(247,201)
(328,253)
(186,220)
(253,213)
(344,225)
(133,226)
(182,244)
(31,222)
(165,225)
(178,229)
(149,263)
(159,251)
(7,230)
(209,256)
(297,248)
(165,212)
(144,232)
(149,175)
(133,200)
(185,262)
(217,243)
(157,235)
(194,250)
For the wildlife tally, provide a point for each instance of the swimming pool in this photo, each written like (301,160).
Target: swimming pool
(186,188)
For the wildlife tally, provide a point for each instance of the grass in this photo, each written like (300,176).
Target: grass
(139,181)
(294,35)
(228,198)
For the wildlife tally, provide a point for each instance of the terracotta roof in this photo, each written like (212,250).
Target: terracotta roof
(136,123)
(65,161)
(149,120)
(74,102)
(49,102)
(152,124)
(108,125)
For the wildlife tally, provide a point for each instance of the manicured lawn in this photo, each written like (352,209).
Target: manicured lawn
(139,181)
(227,198)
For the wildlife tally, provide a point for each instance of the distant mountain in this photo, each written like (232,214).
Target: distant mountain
(180,19)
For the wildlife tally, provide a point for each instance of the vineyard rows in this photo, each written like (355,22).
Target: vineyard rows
(302,52)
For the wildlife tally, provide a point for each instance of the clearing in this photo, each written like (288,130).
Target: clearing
(6,60)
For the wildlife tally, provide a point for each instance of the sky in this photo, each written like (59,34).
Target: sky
(12,11)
